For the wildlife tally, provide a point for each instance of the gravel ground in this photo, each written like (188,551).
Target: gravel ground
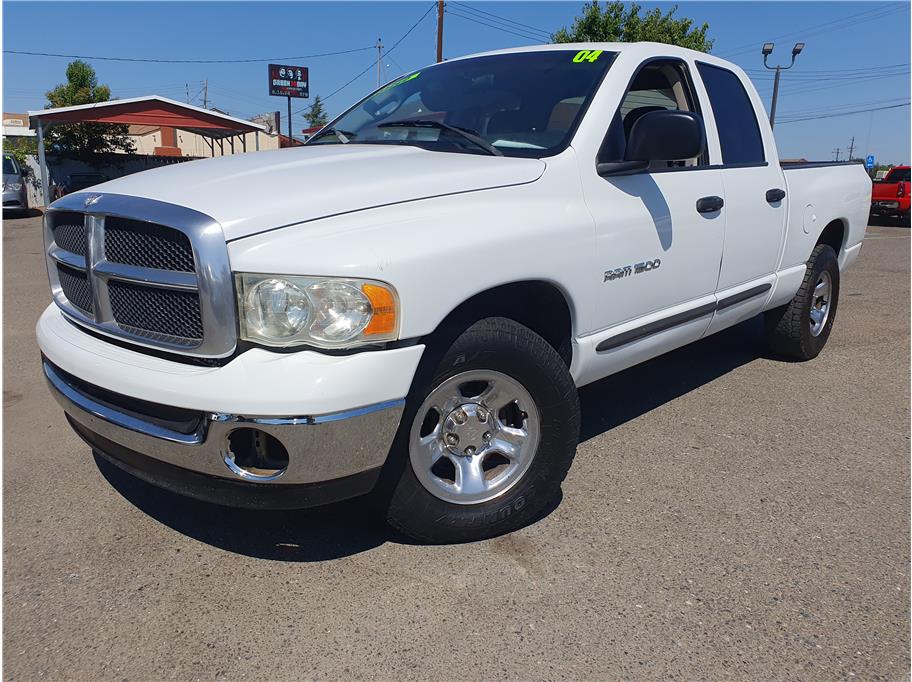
(728,515)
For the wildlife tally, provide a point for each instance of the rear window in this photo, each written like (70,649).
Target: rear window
(898,175)
(739,132)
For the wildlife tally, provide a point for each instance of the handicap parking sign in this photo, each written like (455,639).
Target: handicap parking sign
(869,162)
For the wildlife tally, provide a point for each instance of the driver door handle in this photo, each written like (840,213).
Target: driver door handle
(710,204)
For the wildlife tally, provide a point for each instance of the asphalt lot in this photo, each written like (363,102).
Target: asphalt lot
(728,516)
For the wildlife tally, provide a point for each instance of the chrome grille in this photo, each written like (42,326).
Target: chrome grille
(75,285)
(157,313)
(147,246)
(142,270)
(70,233)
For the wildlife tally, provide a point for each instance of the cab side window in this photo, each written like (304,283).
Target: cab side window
(658,85)
(736,120)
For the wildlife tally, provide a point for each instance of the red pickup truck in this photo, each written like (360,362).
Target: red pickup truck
(890,196)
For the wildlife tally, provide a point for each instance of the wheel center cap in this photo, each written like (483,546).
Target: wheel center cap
(467,429)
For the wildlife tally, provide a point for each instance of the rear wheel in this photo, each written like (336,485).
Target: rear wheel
(800,329)
(488,440)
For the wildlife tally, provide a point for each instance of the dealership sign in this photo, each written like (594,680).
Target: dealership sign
(288,81)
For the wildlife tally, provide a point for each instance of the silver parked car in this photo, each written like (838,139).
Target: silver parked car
(15,196)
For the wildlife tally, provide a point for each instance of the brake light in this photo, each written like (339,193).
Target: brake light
(901,190)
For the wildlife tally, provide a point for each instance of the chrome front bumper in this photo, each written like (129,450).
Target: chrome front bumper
(320,448)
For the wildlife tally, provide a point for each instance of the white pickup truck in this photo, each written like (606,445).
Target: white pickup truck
(407,305)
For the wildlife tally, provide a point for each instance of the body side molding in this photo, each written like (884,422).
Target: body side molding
(680,318)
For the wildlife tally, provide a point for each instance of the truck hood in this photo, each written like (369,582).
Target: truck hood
(250,193)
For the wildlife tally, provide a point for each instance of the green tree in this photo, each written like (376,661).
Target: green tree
(617,23)
(20,148)
(316,114)
(83,140)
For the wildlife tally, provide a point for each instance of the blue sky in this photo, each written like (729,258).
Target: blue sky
(842,68)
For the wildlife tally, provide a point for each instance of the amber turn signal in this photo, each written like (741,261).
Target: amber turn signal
(383,301)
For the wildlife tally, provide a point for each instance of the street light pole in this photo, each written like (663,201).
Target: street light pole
(775,97)
(767,51)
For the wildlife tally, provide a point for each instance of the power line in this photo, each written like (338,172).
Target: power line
(466,17)
(789,87)
(849,77)
(838,107)
(826,27)
(374,63)
(189,61)
(465,7)
(846,113)
(825,72)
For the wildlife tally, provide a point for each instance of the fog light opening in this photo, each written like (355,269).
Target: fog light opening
(255,454)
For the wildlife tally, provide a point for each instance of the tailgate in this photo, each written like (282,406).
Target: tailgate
(885,190)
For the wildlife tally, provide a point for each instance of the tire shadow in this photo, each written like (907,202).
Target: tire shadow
(354,526)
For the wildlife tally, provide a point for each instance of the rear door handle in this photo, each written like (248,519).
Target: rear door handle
(710,204)
(774,195)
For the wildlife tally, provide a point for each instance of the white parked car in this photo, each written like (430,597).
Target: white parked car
(407,305)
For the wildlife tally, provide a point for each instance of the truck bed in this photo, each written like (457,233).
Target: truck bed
(839,190)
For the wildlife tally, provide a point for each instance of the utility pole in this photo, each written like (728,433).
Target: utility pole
(206,94)
(290,138)
(851,147)
(836,152)
(379,59)
(187,85)
(439,31)
(767,51)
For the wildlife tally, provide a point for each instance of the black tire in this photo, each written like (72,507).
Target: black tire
(504,346)
(788,328)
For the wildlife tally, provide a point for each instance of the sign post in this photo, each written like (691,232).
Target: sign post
(289,81)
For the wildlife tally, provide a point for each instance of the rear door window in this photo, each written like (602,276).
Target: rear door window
(736,120)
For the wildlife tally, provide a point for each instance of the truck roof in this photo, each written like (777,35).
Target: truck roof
(638,49)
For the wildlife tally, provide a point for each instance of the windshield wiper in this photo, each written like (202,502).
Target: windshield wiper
(469,135)
(343,135)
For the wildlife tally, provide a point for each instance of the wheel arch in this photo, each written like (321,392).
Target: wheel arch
(834,235)
(541,305)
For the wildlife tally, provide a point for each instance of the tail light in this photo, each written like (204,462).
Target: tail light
(901,190)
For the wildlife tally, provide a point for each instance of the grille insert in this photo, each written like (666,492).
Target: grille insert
(158,314)
(143,273)
(70,233)
(147,245)
(76,288)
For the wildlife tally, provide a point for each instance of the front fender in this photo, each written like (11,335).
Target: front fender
(439,252)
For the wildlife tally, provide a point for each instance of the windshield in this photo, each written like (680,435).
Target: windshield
(521,104)
(10,167)
(898,175)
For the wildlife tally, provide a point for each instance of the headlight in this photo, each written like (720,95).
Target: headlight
(12,186)
(287,310)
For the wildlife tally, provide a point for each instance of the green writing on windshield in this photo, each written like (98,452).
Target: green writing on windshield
(587,56)
(402,80)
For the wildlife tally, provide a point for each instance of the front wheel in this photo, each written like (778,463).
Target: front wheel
(491,439)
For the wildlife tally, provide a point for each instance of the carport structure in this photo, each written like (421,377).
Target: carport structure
(152,110)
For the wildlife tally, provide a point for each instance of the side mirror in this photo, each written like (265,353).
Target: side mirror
(666,135)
